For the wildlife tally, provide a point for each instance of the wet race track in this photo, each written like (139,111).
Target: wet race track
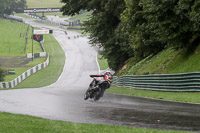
(63,100)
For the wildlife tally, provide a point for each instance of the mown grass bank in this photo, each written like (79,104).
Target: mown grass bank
(12,123)
(166,62)
(44,3)
(50,74)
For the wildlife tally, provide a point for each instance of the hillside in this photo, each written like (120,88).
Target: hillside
(12,41)
(168,61)
(43,3)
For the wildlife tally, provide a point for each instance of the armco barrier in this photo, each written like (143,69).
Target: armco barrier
(161,82)
(13,18)
(26,74)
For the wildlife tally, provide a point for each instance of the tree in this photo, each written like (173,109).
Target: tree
(156,24)
(139,28)
(174,22)
(102,25)
(8,6)
(2,7)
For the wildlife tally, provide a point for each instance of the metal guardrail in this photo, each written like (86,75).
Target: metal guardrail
(161,82)
(13,18)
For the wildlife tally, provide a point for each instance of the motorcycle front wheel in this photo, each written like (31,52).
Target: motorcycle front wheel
(86,95)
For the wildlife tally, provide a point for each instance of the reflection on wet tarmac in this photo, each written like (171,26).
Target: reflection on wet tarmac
(157,115)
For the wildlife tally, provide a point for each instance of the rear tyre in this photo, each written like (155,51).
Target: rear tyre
(96,98)
(97,95)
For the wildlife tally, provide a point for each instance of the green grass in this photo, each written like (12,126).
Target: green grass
(166,62)
(50,74)
(36,61)
(82,17)
(11,44)
(44,3)
(12,123)
(102,62)
(18,71)
(185,63)
(191,97)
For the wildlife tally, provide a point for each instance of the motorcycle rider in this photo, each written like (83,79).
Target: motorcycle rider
(98,85)
(106,77)
(101,85)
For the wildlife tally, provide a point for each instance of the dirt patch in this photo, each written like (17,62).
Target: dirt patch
(16,61)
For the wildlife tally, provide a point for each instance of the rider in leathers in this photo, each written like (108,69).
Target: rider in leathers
(105,83)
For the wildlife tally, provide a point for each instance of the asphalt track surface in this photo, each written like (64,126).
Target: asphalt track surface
(63,100)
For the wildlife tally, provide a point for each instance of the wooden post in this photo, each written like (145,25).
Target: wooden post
(32,43)
(26,38)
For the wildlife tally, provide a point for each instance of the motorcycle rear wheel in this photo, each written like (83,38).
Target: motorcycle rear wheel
(97,95)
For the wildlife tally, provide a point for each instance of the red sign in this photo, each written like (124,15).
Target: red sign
(38,37)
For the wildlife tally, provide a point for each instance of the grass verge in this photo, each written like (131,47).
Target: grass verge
(191,97)
(13,123)
(103,64)
(50,74)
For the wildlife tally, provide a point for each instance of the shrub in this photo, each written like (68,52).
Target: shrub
(2,74)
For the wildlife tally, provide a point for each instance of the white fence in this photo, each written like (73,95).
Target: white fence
(19,79)
(41,54)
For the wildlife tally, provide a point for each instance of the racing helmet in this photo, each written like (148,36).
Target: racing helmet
(108,76)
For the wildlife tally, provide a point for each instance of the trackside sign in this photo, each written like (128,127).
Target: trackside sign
(38,37)
(37,10)
(38,32)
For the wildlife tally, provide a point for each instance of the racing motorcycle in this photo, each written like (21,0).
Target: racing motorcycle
(96,89)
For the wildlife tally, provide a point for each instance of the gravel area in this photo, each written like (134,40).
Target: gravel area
(16,61)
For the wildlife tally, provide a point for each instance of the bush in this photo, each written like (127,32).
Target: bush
(2,74)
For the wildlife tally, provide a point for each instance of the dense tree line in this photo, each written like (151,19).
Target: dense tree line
(138,28)
(8,6)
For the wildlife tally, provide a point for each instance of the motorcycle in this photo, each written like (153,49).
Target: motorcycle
(96,89)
